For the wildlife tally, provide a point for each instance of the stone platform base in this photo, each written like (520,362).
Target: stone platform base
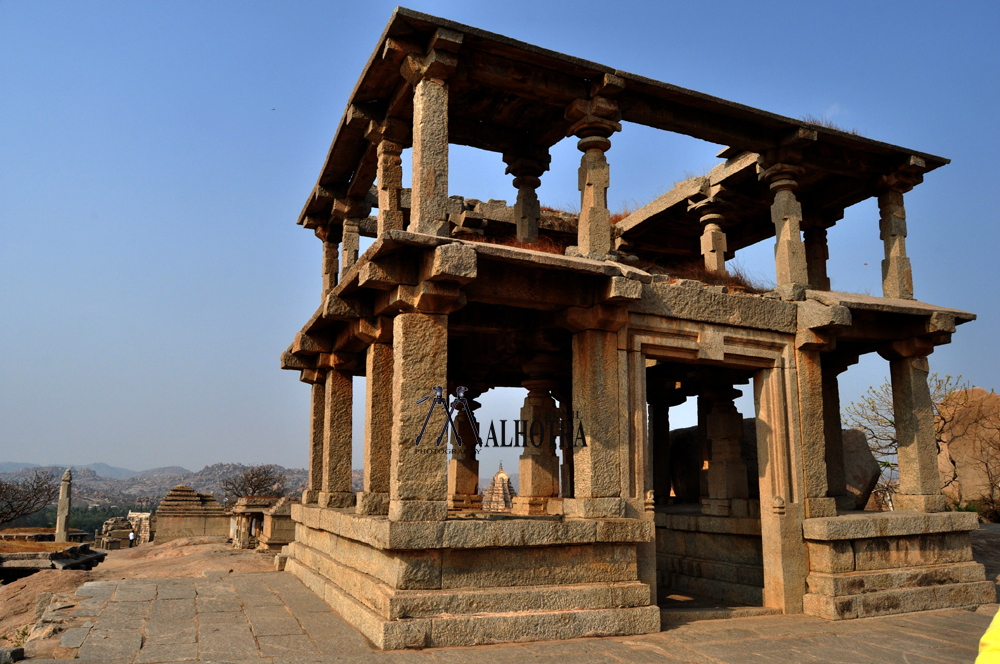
(482,628)
(471,581)
(874,564)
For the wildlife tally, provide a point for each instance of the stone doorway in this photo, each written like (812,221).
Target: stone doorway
(709,557)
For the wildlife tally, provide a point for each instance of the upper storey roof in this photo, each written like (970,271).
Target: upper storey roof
(506,94)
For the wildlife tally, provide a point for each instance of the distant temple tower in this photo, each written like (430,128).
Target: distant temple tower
(62,514)
(499,497)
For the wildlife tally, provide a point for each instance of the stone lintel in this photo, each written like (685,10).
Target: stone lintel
(887,524)
(379,532)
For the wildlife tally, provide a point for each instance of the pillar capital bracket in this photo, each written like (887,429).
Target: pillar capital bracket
(599,116)
(350,207)
(393,130)
(904,348)
(436,65)
(905,178)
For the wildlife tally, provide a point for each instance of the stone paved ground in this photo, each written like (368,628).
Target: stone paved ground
(272,617)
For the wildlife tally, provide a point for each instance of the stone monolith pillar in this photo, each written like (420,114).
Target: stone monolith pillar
(65,500)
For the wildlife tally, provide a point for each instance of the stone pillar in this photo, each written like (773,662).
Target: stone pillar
(463,466)
(527,167)
(428,213)
(389,138)
(897,277)
(727,471)
(713,238)
(336,485)
(594,120)
(913,411)
(65,502)
(316,426)
(836,478)
(659,414)
(786,214)
(374,498)
(330,259)
(817,253)
(539,465)
(813,435)
(418,475)
(349,246)
(597,466)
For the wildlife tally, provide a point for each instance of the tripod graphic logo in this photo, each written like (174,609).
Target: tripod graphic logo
(439,398)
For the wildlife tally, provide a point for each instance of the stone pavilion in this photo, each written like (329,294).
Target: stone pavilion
(594,320)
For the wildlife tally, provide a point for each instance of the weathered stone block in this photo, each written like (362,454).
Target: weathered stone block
(831,557)
(913,550)
(538,565)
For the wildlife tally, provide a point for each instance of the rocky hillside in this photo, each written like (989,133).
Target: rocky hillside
(92,489)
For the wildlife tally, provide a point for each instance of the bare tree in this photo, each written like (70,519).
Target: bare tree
(262,480)
(19,498)
(874,415)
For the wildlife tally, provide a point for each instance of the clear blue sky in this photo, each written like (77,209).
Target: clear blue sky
(154,157)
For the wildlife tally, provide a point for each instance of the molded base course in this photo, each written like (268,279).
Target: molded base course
(479,629)
(394,604)
(899,600)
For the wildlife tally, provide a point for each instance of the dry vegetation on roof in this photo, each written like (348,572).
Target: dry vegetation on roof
(823,121)
(736,280)
(543,243)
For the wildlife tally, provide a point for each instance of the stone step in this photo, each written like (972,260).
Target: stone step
(900,600)
(692,614)
(858,583)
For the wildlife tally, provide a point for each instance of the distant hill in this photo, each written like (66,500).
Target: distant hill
(12,467)
(104,470)
(92,488)
(165,470)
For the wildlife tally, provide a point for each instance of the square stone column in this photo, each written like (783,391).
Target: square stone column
(330,263)
(836,478)
(64,506)
(349,246)
(316,419)
(786,214)
(594,120)
(897,276)
(659,414)
(813,435)
(727,471)
(919,481)
(374,499)
(389,138)
(817,254)
(463,466)
(428,212)
(596,466)
(418,475)
(539,465)
(336,486)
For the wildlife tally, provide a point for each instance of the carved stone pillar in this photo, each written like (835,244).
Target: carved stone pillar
(897,277)
(316,418)
(330,235)
(64,506)
(913,413)
(833,365)
(713,238)
(463,466)
(428,76)
(418,475)
(594,120)
(527,167)
(786,214)
(349,246)
(539,465)
(389,137)
(336,486)
(727,471)
(817,253)
(374,499)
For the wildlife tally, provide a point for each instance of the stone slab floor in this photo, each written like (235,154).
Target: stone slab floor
(272,617)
